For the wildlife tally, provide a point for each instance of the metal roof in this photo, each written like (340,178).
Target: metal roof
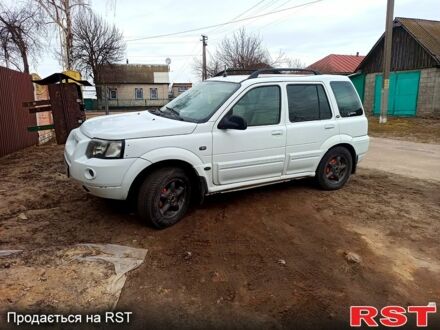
(426,32)
(337,64)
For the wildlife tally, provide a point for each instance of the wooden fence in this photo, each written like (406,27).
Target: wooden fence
(15,88)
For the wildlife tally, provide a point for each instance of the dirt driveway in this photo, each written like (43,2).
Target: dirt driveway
(412,159)
(273,257)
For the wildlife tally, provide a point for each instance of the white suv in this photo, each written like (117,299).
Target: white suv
(227,133)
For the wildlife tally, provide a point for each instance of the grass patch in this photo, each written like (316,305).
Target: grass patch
(424,130)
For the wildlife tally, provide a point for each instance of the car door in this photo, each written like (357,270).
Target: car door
(258,152)
(310,124)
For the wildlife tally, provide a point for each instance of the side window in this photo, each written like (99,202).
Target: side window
(112,93)
(346,98)
(324,107)
(138,93)
(259,106)
(307,102)
(153,93)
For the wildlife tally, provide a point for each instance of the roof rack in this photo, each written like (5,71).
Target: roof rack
(225,72)
(256,73)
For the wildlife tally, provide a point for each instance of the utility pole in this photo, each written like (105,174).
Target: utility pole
(204,71)
(388,42)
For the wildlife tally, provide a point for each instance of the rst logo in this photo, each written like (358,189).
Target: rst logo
(390,316)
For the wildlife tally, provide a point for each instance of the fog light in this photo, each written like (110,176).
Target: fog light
(89,174)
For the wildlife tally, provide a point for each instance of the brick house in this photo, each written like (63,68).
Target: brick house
(415,70)
(133,85)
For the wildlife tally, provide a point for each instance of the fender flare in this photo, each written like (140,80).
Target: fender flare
(330,143)
(163,154)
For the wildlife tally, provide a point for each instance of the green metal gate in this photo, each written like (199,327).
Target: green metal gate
(404,89)
(358,81)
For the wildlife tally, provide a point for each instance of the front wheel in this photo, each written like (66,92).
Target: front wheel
(164,197)
(334,169)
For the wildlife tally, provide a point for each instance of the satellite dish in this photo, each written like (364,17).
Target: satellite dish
(168,61)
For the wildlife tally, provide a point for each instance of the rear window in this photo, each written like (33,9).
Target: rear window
(347,99)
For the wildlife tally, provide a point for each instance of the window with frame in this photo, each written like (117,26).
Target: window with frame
(153,93)
(346,98)
(308,102)
(112,93)
(259,106)
(138,93)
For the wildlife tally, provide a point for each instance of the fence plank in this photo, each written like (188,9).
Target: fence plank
(15,88)
(40,128)
(40,109)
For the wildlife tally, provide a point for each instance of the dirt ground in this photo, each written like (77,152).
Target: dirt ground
(425,130)
(273,257)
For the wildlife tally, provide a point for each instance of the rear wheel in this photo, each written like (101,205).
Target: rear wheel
(164,197)
(334,169)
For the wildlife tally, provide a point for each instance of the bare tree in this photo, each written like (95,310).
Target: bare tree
(62,13)
(212,67)
(21,28)
(242,50)
(294,63)
(95,43)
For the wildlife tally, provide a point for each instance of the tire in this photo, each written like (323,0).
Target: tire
(334,169)
(164,197)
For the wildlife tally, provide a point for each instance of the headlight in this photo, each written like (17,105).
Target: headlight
(105,149)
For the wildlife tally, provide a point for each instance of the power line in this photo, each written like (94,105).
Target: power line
(239,15)
(226,23)
(227,29)
(167,55)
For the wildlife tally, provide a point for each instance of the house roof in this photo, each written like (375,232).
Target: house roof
(337,64)
(58,77)
(129,73)
(425,32)
(182,84)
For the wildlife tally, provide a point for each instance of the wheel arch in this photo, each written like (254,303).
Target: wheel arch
(200,186)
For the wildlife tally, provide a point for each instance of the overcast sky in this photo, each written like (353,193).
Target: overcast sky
(307,33)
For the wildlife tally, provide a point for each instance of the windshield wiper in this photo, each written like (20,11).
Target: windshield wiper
(175,113)
(156,111)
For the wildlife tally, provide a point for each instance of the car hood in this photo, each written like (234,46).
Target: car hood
(134,125)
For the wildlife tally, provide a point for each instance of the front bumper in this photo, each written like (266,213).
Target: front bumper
(106,178)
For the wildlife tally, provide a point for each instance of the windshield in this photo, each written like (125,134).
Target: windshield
(199,103)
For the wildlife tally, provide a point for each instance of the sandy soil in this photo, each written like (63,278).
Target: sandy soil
(273,257)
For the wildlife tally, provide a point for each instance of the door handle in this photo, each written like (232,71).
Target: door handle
(278,132)
(329,126)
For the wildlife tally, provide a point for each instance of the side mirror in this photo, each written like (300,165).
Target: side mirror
(232,122)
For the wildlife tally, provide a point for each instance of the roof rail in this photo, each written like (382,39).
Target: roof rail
(225,72)
(256,73)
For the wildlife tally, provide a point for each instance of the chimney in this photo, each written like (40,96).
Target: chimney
(357,54)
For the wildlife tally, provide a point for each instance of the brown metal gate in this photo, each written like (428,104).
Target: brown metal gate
(15,88)
(66,110)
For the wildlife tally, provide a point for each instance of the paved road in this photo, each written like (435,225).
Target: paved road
(418,160)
